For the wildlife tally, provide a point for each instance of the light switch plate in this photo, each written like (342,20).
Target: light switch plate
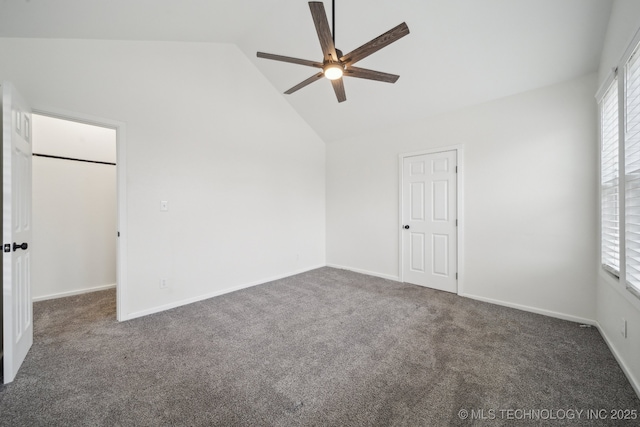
(164,206)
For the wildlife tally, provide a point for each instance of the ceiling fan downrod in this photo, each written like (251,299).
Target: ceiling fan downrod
(333,21)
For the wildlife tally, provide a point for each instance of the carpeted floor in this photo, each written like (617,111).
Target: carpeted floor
(327,347)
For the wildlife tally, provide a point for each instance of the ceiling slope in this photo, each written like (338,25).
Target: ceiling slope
(459,52)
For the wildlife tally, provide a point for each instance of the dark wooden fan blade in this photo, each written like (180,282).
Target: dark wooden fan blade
(338,88)
(376,44)
(363,73)
(323,30)
(304,83)
(289,59)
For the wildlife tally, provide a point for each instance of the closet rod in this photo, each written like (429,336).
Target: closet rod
(72,159)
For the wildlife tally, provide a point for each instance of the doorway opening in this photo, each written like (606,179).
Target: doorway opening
(78,205)
(74,208)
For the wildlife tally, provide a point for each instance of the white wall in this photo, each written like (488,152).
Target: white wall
(243,174)
(613,302)
(529,197)
(74,208)
(623,24)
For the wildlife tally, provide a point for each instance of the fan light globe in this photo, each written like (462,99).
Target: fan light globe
(333,71)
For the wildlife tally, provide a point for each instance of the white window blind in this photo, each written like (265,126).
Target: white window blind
(610,209)
(632,171)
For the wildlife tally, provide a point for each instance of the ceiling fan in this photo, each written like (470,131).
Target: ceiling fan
(335,65)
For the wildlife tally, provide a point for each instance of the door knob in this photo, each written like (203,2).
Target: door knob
(406,227)
(23,246)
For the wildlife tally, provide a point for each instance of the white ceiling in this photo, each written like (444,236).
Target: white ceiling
(459,52)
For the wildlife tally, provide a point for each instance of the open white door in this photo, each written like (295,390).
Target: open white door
(16,230)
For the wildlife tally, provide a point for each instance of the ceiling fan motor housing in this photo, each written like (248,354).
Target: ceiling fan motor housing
(333,69)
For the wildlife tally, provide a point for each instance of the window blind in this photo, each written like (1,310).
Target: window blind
(610,210)
(632,170)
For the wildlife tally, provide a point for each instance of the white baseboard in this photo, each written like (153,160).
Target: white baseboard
(544,312)
(71,293)
(169,306)
(530,309)
(635,383)
(367,272)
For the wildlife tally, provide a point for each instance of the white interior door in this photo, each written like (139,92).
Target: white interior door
(16,230)
(429,214)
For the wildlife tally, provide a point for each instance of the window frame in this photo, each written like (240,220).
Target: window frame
(632,59)
(617,76)
(611,88)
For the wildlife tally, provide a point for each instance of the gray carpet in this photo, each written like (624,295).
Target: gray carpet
(327,347)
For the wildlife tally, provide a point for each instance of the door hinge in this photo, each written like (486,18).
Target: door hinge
(118,234)
(456,169)
(456,276)
(456,222)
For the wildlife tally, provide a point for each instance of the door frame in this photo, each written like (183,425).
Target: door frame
(121,192)
(459,149)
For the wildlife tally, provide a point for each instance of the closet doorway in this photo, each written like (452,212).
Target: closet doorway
(74,181)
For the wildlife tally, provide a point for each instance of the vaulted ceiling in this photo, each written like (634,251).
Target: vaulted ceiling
(459,52)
